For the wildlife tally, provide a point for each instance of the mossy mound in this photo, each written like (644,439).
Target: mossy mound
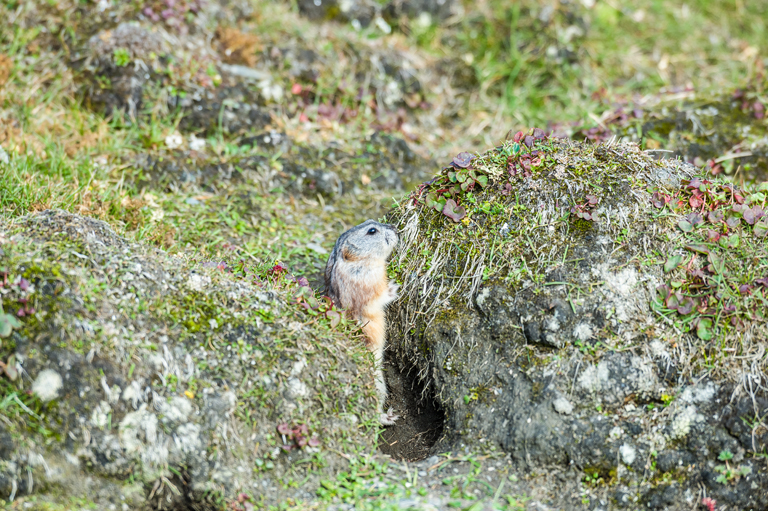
(588,305)
(725,135)
(166,383)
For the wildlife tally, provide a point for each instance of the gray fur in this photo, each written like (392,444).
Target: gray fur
(357,241)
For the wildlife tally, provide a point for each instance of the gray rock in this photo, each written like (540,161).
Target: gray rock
(47,385)
(245,72)
(562,405)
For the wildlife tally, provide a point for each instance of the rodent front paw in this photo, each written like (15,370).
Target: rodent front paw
(389,417)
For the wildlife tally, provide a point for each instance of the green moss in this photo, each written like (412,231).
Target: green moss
(515,242)
(599,475)
(580,227)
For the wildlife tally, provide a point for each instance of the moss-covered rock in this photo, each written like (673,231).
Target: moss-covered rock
(162,383)
(589,306)
(727,135)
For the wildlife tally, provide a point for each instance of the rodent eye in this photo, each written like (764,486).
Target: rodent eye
(372,230)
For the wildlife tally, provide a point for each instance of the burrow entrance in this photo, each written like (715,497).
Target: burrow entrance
(421,420)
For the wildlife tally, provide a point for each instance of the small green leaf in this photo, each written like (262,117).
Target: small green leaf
(7,323)
(672,263)
(704,329)
(313,302)
(701,249)
(303,293)
(761,228)
(725,455)
(685,225)
(731,241)
(121,57)
(674,300)
(686,306)
(433,201)
(733,221)
(453,211)
(482,181)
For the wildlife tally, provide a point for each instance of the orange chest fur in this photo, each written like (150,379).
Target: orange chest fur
(364,288)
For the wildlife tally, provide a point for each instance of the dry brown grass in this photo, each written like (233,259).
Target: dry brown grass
(76,132)
(87,140)
(16,140)
(6,64)
(237,47)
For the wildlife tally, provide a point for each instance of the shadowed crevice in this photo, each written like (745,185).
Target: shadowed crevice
(421,417)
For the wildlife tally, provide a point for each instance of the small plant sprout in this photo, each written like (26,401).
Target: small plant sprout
(585,211)
(727,472)
(296,436)
(121,57)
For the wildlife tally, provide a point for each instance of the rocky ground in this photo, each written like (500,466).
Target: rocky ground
(581,324)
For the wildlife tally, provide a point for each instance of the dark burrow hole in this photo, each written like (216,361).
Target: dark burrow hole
(421,420)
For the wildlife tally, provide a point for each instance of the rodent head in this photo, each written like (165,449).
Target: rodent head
(369,240)
(366,243)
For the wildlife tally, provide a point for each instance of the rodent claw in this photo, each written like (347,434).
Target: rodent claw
(389,418)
